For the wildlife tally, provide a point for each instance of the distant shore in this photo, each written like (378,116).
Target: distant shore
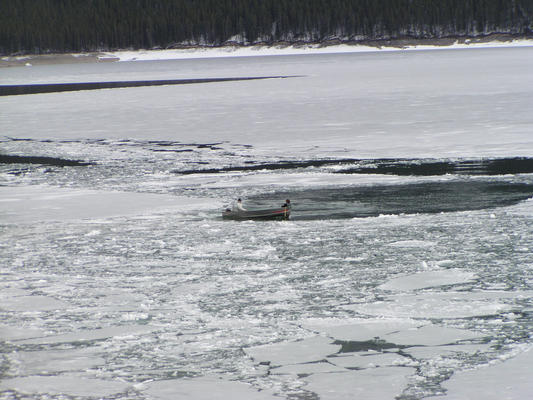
(281,48)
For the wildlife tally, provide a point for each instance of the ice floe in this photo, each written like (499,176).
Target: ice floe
(204,388)
(17,333)
(44,203)
(368,384)
(64,385)
(430,335)
(307,368)
(361,330)
(511,379)
(370,360)
(90,334)
(307,350)
(429,352)
(412,243)
(55,361)
(427,279)
(436,305)
(32,303)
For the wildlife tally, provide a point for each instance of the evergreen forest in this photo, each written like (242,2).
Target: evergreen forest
(57,26)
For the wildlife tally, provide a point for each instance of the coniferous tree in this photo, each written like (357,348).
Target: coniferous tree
(38,26)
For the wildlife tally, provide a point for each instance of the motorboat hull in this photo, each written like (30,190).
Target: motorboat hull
(276,213)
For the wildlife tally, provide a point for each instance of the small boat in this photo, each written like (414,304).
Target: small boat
(271,213)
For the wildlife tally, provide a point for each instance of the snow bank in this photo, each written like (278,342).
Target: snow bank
(259,50)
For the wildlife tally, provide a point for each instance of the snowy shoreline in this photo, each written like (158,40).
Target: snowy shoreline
(259,50)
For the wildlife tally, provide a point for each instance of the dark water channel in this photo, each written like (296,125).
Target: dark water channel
(419,198)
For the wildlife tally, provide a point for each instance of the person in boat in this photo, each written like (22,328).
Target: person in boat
(287,204)
(238,206)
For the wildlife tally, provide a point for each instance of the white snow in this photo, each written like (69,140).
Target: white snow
(259,50)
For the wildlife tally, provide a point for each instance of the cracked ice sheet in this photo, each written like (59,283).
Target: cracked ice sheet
(312,349)
(64,385)
(438,305)
(368,384)
(204,388)
(511,379)
(428,279)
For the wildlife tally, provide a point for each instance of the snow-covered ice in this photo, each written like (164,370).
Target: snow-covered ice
(510,379)
(64,385)
(371,384)
(307,350)
(428,279)
(120,279)
(208,388)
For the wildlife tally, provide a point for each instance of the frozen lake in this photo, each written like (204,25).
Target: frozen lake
(406,271)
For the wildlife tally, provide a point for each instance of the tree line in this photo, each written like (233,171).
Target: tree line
(42,26)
